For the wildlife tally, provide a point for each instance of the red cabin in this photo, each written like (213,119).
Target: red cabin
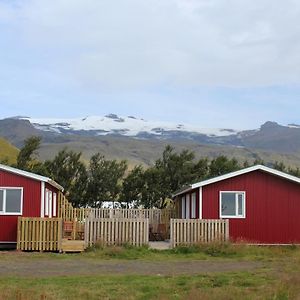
(24,194)
(262,204)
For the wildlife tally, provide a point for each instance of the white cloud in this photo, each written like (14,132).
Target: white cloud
(134,43)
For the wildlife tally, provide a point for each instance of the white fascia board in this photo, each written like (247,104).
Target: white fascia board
(30,175)
(183,191)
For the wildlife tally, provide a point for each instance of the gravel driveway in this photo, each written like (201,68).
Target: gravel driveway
(44,267)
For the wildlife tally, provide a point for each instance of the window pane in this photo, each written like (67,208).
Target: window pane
(187,207)
(13,201)
(194,205)
(228,204)
(1,199)
(241,204)
(183,207)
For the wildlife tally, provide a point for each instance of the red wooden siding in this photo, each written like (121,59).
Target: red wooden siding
(31,203)
(272,208)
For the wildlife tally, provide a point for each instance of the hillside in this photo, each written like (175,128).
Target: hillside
(142,142)
(8,152)
(145,152)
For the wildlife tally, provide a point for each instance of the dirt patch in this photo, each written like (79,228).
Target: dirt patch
(57,267)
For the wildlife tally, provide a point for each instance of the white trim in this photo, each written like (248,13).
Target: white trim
(4,213)
(200,203)
(238,173)
(236,216)
(42,199)
(31,175)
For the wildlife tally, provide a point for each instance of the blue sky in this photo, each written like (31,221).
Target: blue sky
(215,63)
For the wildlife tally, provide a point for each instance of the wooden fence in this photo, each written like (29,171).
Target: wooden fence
(116,231)
(154,215)
(69,213)
(194,231)
(39,234)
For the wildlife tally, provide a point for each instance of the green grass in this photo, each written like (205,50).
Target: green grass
(137,287)
(202,251)
(278,278)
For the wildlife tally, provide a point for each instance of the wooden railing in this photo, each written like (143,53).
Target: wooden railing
(69,213)
(194,231)
(39,234)
(155,216)
(116,231)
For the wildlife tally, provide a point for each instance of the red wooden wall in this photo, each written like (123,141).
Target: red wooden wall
(272,208)
(31,203)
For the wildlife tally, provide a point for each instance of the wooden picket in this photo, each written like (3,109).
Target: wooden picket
(39,234)
(195,231)
(116,231)
(155,216)
(69,213)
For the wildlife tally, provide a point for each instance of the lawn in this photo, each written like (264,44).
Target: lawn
(275,274)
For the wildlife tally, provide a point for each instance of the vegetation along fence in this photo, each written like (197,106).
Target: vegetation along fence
(39,234)
(193,231)
(116,231)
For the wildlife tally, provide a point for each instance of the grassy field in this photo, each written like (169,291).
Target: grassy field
(277,277)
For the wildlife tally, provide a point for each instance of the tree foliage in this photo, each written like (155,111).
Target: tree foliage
(105,180)
(108,180)
(67,169)
(25,159)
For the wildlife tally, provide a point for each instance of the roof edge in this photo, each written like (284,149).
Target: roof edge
(31,175)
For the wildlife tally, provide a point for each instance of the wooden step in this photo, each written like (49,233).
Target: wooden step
(72,245)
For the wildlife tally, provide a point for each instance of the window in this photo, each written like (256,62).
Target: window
(11,201)
(50,203)
(1,200)
(232,204)
(183,207)
(47,202)
(54,204)
(187,206)
(193,216)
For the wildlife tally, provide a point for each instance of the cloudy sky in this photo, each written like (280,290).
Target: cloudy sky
(215,63)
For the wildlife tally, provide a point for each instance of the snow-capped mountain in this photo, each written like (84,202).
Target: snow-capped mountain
(125,126)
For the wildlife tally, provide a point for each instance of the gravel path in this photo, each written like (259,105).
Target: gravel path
(79,266)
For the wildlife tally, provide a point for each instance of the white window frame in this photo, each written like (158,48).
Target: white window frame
(183,207)
(193,212)
(3,212)
(236,216)
(187,206)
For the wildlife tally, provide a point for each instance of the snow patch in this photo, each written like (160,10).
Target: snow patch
(127,126)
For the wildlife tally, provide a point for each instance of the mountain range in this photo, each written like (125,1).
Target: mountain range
(142,141)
